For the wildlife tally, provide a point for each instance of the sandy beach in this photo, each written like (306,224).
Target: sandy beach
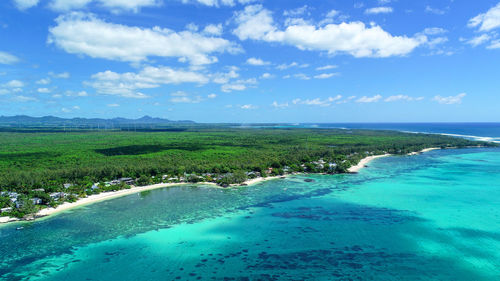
(364,162)
(115,194)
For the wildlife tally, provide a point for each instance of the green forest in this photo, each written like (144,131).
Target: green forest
(37,164)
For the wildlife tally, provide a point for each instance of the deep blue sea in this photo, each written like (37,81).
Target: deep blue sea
(433,216)
(474,131)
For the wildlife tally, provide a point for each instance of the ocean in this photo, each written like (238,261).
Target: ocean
(433,216)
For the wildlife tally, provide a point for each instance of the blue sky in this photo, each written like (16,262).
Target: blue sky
(252,60)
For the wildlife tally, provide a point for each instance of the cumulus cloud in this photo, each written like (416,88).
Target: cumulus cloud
(128,84)
(378,10)
(24,99)
(44,90)
(6,58)
(326,67)
(325,75)
(212,96)
(85,34)
(62,75)
(402,98)
(218,3)
(113,5)
(44,81)
(450,99)
(487,21)
(257,62)
(291,65)
(353,38)
(479,40)
(238,85)
(266,76)
(366,99)
(248,106)
(433,10)
(25,4)
(317,101)
(14,84)
(183,97)
(213,29)
(279,105)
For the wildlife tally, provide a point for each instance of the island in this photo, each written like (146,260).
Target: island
(42,168)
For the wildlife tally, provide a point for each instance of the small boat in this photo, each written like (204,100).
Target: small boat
(19,228)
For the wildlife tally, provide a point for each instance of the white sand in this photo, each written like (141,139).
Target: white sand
(114,194)
(363,162)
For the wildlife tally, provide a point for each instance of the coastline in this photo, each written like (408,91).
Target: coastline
(115,194)
(363,162)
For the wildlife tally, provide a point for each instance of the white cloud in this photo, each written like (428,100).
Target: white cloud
(332,13)
(113,105)
(302,76)
(225,77)
(44,90)
(353,38)
(266,76)
(248,106)
(85,34)
(115,6)
(67,5)
(212,96)
(76,94)
(279,105)
(213,29)
(23,99)
(6,58)
(451,99)
(436,11)
(4,92)
(434,31)
(14,84)
(239,85)
(326,67)
(487,21)
(378,10)
(495,44)
(325,75)
(25,4)
(366,99)
(218,3)
(257,61)
(402,98)
(44,81)
(296,12)
(292,64)
(127,84)
(317,101)
(183,97)
(479,40)
(62,75)
(68,110)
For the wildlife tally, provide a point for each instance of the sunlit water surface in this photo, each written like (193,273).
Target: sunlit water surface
(430,217)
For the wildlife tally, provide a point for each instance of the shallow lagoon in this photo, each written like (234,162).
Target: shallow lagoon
(428,217)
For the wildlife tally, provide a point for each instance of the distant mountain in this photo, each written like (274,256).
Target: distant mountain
(23,120)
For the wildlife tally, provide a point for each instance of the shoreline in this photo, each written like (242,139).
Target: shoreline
(136,189)
(363,162)
(46,212)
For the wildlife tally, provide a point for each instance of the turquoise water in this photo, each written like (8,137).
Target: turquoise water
(429,217)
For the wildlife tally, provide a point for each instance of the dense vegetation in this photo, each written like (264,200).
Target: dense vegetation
(35,164)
